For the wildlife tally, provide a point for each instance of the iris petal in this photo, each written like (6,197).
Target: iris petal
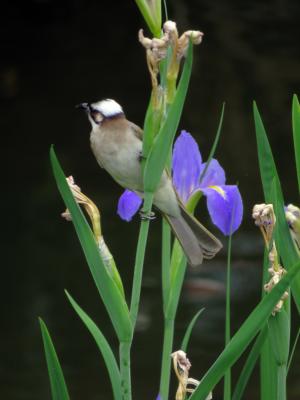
(214,175)
(225,207)
(186,165)
(128,205)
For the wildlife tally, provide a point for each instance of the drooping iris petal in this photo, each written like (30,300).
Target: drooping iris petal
(214,175)
(186,165)
(225,207)
(128,204)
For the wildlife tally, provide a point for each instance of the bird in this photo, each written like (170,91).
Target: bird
(117,145)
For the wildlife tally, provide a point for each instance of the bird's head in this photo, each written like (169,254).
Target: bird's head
(101,110)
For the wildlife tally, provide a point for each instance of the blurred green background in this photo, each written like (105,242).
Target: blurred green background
(55,54)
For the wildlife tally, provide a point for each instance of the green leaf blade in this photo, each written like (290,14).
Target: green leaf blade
(215,143)
(57,381)
(187,335)
(265,157)
(109,292)
(108,356)
(239,342)
(279,334)
(249,365)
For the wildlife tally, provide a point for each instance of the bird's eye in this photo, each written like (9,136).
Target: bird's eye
(96,115)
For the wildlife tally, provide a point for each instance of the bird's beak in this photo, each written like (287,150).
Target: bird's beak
(83,106)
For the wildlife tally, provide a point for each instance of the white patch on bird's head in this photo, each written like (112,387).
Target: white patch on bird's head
(108,108)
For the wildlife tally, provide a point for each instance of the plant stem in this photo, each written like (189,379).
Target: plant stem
(281,382)
(293,350)
(135,296)
(125,370)
(268,369)
(166,359)
(166,257)
(139,260)
(227,378)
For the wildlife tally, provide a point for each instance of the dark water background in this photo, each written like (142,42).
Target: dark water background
(55,54)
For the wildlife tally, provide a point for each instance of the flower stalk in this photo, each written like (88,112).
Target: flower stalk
(125,371)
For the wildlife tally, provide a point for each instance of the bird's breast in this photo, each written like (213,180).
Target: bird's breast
(119,155)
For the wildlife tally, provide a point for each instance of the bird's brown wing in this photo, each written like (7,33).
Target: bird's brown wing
(137,130)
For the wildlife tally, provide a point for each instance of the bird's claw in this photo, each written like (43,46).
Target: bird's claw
(141,157)
(147,215)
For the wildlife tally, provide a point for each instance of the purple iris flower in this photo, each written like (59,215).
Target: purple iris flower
(224,202)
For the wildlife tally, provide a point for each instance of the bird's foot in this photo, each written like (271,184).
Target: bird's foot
(147,215)
(141,157)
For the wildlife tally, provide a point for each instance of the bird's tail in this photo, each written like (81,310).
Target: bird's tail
(197,242)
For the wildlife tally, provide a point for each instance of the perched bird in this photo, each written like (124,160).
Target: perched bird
(117,146)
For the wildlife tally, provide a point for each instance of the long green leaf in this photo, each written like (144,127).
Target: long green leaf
(296,134)
(187,335)
(239,342)
(268,367)
(279,334)
(268,372)
(57,381)
(215,143)
(151,11)
(109,292)
(109,358)
(249,365)
(268,172)
(160,151)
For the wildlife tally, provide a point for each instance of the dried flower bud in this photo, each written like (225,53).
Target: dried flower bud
(182,366)
(146,42)
(292,215)
(264,218)
(170,27)
(277,272)
(182,361)
(157,50)
(89,206)
(94,215)
(66,215)
(183,41)
(195,36)
(171,33)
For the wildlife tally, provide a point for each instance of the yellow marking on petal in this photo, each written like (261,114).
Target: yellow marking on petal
(219,190)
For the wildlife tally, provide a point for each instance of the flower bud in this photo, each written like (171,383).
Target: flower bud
(195,36)
(146,42)
(264,217)
(292,215)
(182,366)
(277,272)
